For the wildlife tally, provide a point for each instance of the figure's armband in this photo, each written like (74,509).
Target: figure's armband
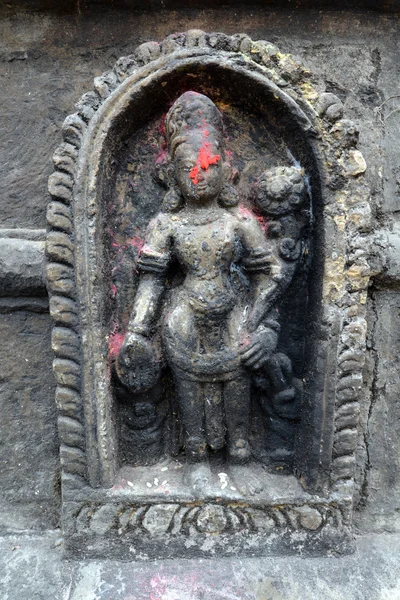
(258,260)
(151,261)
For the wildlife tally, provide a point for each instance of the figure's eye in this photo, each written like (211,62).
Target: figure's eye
(187,167)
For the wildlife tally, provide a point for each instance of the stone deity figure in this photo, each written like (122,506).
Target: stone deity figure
(212,335)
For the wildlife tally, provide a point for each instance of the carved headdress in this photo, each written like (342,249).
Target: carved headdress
(193,113)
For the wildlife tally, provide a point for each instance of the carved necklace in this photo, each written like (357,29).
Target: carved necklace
(203,219)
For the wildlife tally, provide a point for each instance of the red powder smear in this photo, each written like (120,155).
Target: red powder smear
(204,159)
(161,126)
(263,222)
(161,586)
(162,157)
(115,341)
(136,242)
(244,340)
(245,212)
(114,290)
(158,585)
(194,174)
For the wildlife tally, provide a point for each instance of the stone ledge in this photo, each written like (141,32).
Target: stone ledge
(22,262)
(31,568)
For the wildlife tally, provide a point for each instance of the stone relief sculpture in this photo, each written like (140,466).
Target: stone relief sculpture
(215,336)
(208,287)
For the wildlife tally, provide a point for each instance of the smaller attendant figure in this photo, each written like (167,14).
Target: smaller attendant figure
(280,195)
(213,337)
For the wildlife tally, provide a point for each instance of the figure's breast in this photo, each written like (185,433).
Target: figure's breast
(205,250)
(206,253)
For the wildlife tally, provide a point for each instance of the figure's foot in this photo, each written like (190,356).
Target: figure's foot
(279,460)
(216,443)
(245,481)
(239,452)
(198,477)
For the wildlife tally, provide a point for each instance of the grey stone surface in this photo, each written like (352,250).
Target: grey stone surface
(21,267)
(387,246)
(32,568)
(380,501)
(28,438)
(71,6)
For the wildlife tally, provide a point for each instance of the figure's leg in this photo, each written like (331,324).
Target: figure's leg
(191,410)
(191,407)
(281,407)
(181,342)
(214,415)
(237,411)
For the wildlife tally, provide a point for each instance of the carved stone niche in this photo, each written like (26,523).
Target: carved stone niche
(206,265)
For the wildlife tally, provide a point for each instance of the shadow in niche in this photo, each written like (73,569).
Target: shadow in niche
(259,136)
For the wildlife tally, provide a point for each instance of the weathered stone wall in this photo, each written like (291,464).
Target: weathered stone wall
(47,61)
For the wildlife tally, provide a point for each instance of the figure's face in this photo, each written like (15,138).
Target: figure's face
(198,169)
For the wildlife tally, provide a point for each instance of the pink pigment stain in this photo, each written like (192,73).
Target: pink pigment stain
(248,214)
(263,222)
(244,341)
(113,292)
(159,587)
(245,212)
(205,158)
(163,586)
(136,242)
(115,341)
(162,157)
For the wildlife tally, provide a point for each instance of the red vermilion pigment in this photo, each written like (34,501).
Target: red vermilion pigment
(248,214)
(245,212)
(114,290)
(115,342)
(136,242)
(205,158)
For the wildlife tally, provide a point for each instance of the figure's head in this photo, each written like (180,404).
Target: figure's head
(194,130)
(198,167)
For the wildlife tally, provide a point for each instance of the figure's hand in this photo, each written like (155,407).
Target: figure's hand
(262,343)
(137,364)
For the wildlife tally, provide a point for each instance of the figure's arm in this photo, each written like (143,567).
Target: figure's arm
(152,264)
(147,301)
(264,271)
(265,292)
(138,362)
(265,274)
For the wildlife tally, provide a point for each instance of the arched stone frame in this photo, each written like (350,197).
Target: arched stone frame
(325,458)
